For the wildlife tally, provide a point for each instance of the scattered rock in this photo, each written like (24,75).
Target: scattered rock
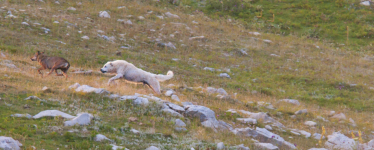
(170,15)
(32,97)
(263,117)
(179,123)
(268,127)
(175,97)
(304,111)
(317,149)
(339,141)
(46,89)
(292,101)
(100,137)
(72,9)
(22,116)
(85,37)
(172,112)
(365,3)
(128,22)
(134,131)
(352,122)
(8,143)
(224,75)
(152,148)
(141,18)
(132,119)
(247,120)
(104,14)
(74,86)
(254,33)
(179,129)
(222,92)
(52,113)
(317,136)
(241,147)
(89,89)
(128,97)
(169,93)
(81,119)
(208,68)
(220,146)
(160,17)
(267,41)
(266,146)
(310,123)
(331,113)
(141,101)
(56,22)
(197,38)
(207,117)
(25,23)
(339,116)
(323,119)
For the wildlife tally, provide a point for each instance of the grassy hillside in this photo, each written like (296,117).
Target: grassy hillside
(322,76)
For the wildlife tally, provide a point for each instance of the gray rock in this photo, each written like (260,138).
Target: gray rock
(211,90)
(340,116)
(340,141)
(222,92)
(89,89)
(216,125)
(172,112)
(317,149)
(113,96)
(81,119)
(220,146)
(352,122)
(100,137)
(323,119)
(179,129)
(22,116)
(72,8)
(225,75)
(247,120)
(141,101)
(169,93)
(201,112)
(331,113)
(175,97)
(52,113)
(291,101)
(174,107)
(310,123)
(134,131)
(179,123)
(170,15)
(317,136)
(268,127)
(208,68)
(74,86)
(365,3)
(128,97)
(241,147)
(266,146)
(32,97)
(141,18)
(152,148)
(186,104)
(263,117)
(8,143)
(104,14)
(303,111)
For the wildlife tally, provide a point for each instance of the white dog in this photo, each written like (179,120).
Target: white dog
(135,75)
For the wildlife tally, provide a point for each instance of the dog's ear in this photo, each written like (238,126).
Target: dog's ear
(111,64)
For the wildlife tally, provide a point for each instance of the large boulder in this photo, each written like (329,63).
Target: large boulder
(141,101)
(339,141)
(52,113)
(8,143)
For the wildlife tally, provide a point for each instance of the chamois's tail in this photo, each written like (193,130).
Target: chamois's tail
(168,76)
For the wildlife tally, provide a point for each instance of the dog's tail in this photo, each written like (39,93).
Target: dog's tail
(161,77)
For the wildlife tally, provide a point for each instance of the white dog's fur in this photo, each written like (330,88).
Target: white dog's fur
(135,75)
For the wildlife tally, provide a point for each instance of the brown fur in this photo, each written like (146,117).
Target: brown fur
(52,63)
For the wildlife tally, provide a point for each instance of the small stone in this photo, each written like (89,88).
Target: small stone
(247,120)
(317,136)
(56,22)
(104,14)
(85,37)
(81,119)
(254,33)
(175,97)
(339,116)
(52,113)
(267,41)
(225,75)
(72,9)
(179,123)
(25,23)
(304,111)
(141,101)
(152,148)
(170,15)
(46,89)
(22,116)
(310,123)
(179,129)
(100,137)
(268,127)
(220,146)
(266,146)
(331,113)
(365,3)
(134,131)
(169,93)
(222,92)
(141,18)
(292,101)
(160,17)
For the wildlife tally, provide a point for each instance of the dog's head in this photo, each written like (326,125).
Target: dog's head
(37,54)
(108,68)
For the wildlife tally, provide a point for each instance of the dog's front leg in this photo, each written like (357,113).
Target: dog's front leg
(115,78)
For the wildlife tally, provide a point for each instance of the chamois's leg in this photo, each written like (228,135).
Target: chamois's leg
(41,68)
(64,73)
